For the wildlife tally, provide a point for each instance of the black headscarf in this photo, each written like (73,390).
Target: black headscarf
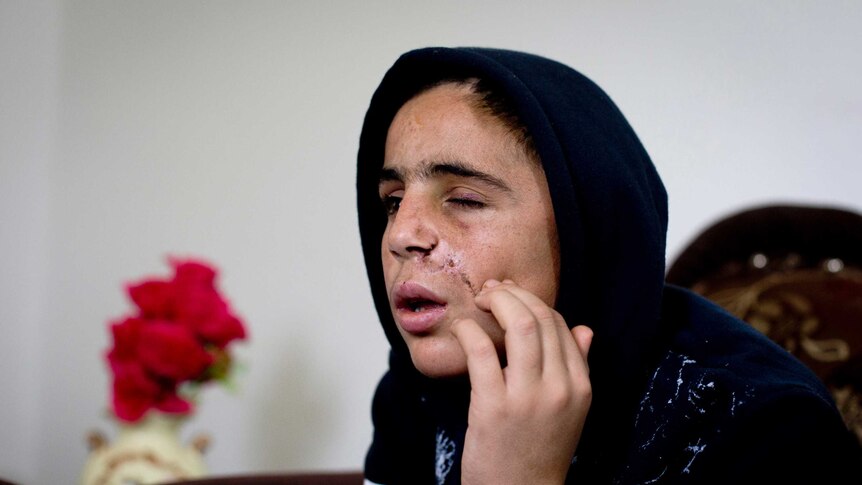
(611,215)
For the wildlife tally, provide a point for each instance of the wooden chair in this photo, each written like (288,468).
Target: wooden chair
(795,274)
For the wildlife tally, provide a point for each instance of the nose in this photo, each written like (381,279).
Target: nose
(412,231)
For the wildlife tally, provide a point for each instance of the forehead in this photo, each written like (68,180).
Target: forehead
(444,123)
(442,111)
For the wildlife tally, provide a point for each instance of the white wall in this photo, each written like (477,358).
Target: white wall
(133,130)
(29,37)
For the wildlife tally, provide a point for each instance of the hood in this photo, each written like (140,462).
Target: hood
(609,203)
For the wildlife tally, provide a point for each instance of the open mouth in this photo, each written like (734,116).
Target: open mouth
(418,305)
(414,298)
(417,308)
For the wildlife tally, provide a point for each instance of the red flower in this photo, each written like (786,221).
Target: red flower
(170,402)
(209,316)
(172,351)
(196,305)
(126,335)
(222,331)
(134,392)
(193,273)
(154,298)
(179,333)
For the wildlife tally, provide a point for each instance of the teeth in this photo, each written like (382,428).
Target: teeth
(418,306)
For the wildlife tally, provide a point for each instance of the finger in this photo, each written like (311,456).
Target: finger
(483,363)
(556,340)
(583,338)
(523,338)
(564,351)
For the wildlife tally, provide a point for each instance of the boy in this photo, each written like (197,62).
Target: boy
(504,200)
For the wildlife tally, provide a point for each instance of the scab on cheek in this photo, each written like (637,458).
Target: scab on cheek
(455,266)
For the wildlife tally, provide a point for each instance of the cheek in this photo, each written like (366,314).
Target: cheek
(537,264)
(525,254)
(482,258)
(457,268)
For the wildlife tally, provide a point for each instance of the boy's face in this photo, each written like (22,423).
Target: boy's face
(466,204)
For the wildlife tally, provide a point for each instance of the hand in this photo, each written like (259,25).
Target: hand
(525,420)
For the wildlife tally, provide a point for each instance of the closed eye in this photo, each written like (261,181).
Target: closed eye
(467,203)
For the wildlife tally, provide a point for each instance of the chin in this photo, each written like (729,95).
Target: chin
(438,357)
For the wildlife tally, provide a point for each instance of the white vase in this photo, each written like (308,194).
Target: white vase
(145,452)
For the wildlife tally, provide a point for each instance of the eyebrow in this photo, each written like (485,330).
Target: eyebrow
(438,169)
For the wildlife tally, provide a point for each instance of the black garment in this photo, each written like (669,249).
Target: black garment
(682,391)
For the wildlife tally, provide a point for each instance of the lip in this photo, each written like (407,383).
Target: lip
(424,320)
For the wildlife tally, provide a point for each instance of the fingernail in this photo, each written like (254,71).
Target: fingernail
(491,283)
